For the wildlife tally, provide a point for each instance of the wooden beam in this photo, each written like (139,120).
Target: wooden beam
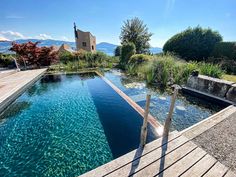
(145,121)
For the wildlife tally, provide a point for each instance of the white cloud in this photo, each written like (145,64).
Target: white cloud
(64,38)
(43,36)
(11,35)
(3,39)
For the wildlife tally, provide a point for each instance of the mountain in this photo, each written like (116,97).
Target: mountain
(106,48)
(103,46)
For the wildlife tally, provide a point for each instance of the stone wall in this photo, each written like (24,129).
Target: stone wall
(217,87)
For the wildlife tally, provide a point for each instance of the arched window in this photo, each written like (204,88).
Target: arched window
(92,47)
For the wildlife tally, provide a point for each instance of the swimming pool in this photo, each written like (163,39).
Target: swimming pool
(188,110)
(66,125)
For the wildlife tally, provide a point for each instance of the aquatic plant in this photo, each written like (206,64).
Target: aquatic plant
(167,69)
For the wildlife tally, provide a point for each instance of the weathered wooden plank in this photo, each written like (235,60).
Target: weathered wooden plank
(154,156)
(180,166)
(217,170)
(145,122)
(200,167)
(13,85)
(127,158)
(230,174)
(152,120)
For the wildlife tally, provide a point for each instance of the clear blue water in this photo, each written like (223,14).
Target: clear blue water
(65,125)
(188,110)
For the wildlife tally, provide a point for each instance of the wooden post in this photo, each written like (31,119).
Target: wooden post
(145,121)
(169,117)
(17,66)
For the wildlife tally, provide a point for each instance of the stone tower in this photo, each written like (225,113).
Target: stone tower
(84,40)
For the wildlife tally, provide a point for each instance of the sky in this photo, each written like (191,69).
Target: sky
(53,19)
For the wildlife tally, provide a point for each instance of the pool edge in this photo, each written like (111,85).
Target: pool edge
(153,121)
(21,89)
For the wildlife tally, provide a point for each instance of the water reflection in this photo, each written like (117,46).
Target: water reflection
(15,109)
(42,87)
(51,78)
(188,109)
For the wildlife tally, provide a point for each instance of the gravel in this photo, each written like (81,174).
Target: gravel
(220,141)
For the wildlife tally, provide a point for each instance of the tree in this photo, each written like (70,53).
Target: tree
(193,43)
(117,51)
(127,50)
(136,32)
(29,53)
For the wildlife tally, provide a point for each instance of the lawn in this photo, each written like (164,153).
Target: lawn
(229,77)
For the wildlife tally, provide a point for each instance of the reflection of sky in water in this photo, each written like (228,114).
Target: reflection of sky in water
(188,110)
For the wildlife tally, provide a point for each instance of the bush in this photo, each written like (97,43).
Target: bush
(83,59)
(209,69)
(127,50)
(33,55)
(66,57)
(6,60)
(225,49)
(228,65)
(138,59)
(117,51)
(193,44)
(166,70)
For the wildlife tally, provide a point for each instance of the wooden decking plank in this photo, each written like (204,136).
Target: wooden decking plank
(127,158)
(208,123)
(166,161)
(185,163)
(217,170)
(150,158)
(200,167)
(230,174)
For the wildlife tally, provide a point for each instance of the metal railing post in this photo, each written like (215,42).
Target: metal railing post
(145,121)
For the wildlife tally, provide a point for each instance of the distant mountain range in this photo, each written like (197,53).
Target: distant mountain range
(103,46)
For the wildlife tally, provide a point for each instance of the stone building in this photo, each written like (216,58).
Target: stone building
(84,40)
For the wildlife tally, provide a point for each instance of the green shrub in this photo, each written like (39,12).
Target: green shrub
(117,51)
(127,50)
(138,59)
(66,57)
(193,44)
(83,59)
(212,70)
(166,70)
(225,49)
(6,60)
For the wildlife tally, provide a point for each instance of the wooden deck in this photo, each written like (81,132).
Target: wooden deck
(11,86)
(177,156)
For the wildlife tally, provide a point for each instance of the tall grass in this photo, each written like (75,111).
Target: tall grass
(167,69)
(82,60)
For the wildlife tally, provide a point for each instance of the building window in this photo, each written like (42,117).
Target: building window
(84,44)
(92,47)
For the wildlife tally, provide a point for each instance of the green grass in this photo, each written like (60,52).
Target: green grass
(229,77)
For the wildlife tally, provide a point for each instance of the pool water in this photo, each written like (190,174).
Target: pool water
(188,109)
(66,125)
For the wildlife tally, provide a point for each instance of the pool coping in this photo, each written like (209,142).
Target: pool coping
(206,124)
(152,120)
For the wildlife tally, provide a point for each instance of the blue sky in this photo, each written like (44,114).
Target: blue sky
(54,19)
